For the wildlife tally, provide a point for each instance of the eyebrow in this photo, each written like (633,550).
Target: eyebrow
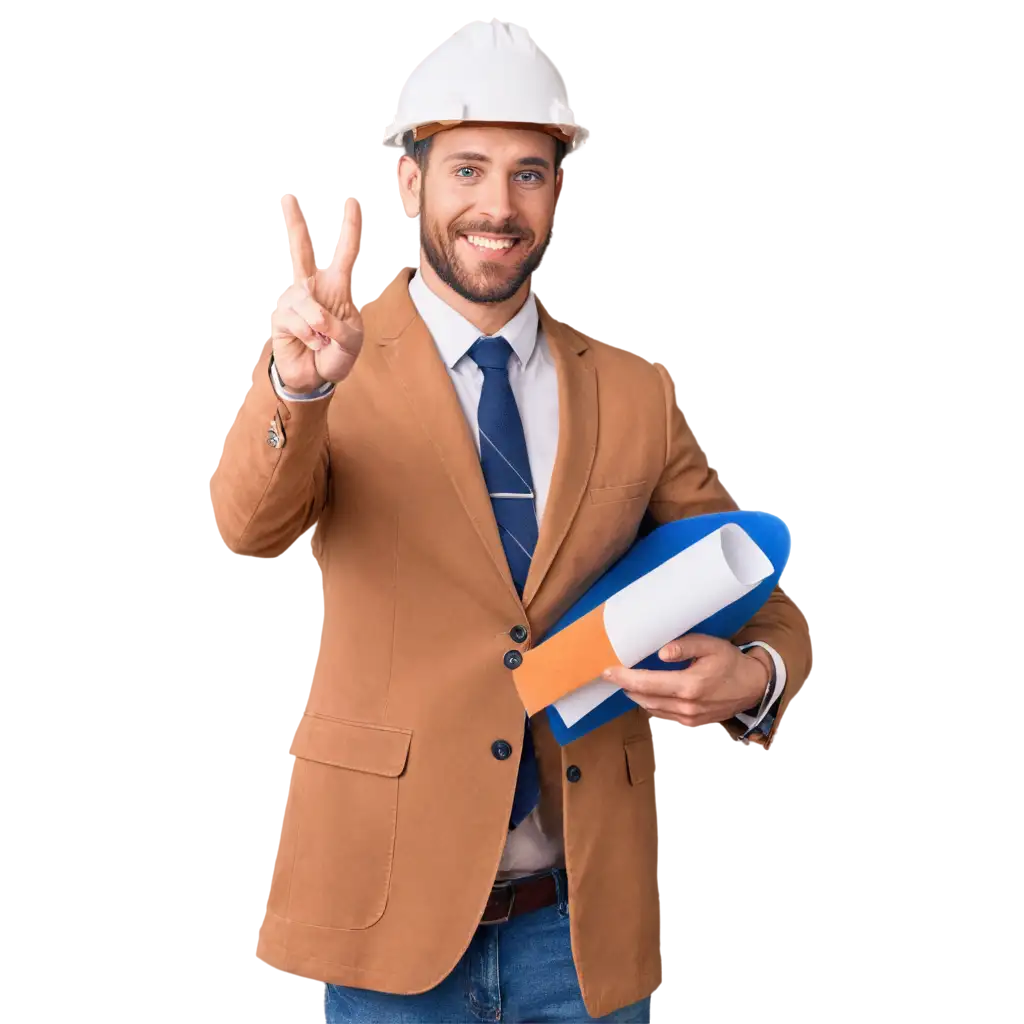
(526,161)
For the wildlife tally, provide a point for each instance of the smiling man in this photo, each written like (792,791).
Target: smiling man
(472,465)
(486,220)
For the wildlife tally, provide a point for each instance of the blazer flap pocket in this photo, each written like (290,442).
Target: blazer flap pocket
(380,749)
(640,758)
(619,492)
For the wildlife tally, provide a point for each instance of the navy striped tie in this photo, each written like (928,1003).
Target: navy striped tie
(506,468)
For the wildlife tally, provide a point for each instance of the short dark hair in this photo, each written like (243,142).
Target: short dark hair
(419,150)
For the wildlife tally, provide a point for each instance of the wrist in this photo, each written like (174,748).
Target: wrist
(297,389)
(301,391)
(275,374)
(764,659)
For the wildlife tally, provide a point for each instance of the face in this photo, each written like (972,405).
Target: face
(486,204)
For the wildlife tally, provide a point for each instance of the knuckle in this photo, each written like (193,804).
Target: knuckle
(290,322)
(288,296)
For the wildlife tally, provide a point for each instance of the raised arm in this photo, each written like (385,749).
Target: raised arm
(273,476)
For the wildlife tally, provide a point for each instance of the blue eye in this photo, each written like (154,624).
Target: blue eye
(463,169)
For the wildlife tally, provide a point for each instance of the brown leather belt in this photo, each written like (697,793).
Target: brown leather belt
(519,896)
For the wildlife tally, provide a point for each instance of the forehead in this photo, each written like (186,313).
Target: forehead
(497,144)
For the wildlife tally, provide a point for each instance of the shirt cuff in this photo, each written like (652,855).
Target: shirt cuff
(762,720)
(297,396)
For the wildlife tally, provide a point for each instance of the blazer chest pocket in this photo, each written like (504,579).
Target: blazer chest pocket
(345,796)
(617,492)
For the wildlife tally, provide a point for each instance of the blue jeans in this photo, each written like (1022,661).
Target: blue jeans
(533,980)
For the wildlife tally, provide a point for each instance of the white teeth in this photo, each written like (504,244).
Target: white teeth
(491,243)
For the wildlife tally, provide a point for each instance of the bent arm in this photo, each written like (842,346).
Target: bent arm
(688,487)
(266,495)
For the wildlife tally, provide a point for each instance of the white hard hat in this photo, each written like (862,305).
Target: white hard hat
(489,71)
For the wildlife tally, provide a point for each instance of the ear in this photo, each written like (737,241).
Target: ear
(558,184)
(410,181)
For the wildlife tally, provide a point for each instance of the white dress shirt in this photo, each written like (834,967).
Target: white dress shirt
(534,380)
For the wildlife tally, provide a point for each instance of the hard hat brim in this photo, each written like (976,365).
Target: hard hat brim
(424,130)
(572,135)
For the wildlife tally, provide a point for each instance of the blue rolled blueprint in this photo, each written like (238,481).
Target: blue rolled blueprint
(666,542)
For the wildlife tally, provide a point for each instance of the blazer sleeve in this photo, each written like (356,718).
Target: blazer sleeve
(271,482)
(688,486)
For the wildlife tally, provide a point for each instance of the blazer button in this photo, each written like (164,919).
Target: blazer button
(518,633)
(501,749)
(513,659)
(573,774)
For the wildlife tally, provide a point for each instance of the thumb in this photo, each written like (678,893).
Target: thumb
(692,645)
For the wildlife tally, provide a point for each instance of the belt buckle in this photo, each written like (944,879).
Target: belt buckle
(510,885)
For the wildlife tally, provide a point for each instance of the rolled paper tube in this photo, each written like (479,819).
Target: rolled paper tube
(650,549)
(638,620)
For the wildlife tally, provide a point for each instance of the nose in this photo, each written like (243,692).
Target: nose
(495,199)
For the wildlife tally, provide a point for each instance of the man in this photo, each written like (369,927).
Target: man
(472,466)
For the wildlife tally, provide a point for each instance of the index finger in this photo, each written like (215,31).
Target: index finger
(653,682)
(303,264)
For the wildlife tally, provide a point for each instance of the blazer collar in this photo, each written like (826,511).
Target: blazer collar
(411,353)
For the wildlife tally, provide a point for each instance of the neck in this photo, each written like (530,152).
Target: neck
(486,317)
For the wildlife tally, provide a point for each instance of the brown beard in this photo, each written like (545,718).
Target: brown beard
(443,257)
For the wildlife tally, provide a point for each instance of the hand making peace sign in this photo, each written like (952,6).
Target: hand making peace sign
(317,331)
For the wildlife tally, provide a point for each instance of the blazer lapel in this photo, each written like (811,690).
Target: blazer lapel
(577,444)
(412,355)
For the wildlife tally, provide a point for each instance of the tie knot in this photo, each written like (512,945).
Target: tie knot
(491,353)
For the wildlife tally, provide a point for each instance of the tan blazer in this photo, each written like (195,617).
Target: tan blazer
(398,810)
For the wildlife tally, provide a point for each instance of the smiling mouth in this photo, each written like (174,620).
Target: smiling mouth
(497,246)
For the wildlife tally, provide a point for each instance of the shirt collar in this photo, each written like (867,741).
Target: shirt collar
(454,334)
